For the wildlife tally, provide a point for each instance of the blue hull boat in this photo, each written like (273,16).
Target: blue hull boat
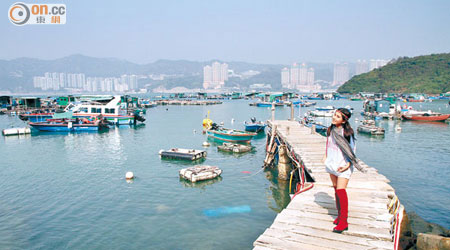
(231,135)
(254,126)
(66,127)
(264,104)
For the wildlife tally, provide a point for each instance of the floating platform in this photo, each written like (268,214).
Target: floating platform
(200,173)
(16,131)
(235,148)
(183,154)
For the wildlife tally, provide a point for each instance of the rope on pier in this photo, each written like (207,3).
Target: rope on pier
(272,149)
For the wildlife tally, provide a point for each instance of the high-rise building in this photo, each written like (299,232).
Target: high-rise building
(361,67)
(310,76)
(295,73)
(285,79)
(303,74)
(62,80)
(214,76)
(341,74)
(207,77)
(299,77)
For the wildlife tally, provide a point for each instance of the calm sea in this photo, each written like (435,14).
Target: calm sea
(69,190)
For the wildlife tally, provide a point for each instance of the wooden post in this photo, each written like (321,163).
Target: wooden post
(273,111)
(284,166)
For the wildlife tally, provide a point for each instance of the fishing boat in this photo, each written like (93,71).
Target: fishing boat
(254,126)
(309,122)
(230,135)
(368,127)
(425,116)
(73,125)
(235,148)
(327,108)
(319,113)
(263,104)
(110,107)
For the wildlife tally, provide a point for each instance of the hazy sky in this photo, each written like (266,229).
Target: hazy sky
(253,31)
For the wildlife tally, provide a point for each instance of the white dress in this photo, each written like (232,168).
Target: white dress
(336,159)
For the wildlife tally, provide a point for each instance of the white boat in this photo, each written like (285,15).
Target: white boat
(108,106)
(321,113)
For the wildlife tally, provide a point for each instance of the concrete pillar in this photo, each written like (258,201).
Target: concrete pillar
(273,111)
(284,163)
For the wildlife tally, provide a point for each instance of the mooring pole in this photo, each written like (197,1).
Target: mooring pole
(273,111)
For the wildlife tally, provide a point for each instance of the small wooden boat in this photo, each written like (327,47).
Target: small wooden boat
(70,125)
(414,100)
(319,113)
(235,148)
(368,127)
(327,108)
(183,154)
(263,104)
(320,128)
(254,126)
(200,173)
(230,135)
(425,116)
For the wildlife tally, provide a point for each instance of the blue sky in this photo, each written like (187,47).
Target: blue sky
(252,31)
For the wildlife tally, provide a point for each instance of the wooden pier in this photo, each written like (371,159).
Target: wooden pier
(375,214)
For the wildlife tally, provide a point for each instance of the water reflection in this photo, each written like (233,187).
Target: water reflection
(280,192)
(200,184)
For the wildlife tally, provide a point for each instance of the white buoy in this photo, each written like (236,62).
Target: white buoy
(221,123)
(232,120)
(398,128)
(195,131)
(129,176)
(206,144)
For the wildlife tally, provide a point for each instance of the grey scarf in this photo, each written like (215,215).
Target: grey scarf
(345,148)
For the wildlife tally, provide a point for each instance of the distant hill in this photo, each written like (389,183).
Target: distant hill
(423,74)
(17,75)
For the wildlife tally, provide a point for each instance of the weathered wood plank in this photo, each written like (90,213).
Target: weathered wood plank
(333,236)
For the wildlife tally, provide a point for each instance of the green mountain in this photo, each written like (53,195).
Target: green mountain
(17,75)
(423,74)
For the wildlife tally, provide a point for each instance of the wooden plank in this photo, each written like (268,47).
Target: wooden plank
(326,217)
(276,243)
(353,229)
(334,236)
(321,242)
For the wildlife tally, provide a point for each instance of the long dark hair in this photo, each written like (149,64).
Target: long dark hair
(348,131)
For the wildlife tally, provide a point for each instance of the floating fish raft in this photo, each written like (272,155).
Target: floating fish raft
(16,131)
(200,173)
(235,148)
(183,154)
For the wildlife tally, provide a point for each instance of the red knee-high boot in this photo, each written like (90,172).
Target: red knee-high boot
(343,202)
(336,221)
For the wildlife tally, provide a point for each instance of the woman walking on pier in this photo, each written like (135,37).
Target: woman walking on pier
(339,161)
